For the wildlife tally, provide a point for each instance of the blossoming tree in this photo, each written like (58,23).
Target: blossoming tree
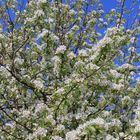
(67,71)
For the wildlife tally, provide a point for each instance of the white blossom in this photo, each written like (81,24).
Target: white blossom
(60,90)
(117,86)
(54,37)
(126,98)
(19,61)
(72,135)
(132,40)
(92,66)
(57,138)
(132,49)
(126,66)
(40,132)
(57,61)
(61,49)
(26,113)
(113,10)
(40,107)
(38,13)
(83,53)
(41,1)
(115,73)
(61,127)
(42,34)
(121,134)
(109,137)
(71,55)
(101,20)
(38,83)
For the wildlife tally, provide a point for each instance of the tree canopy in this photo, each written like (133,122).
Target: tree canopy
(68,70)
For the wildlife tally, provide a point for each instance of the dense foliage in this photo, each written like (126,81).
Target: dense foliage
(67,71)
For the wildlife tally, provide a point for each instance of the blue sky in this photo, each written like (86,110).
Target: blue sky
(109,4)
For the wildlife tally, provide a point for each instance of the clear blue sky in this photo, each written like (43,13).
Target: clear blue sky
(109,4)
